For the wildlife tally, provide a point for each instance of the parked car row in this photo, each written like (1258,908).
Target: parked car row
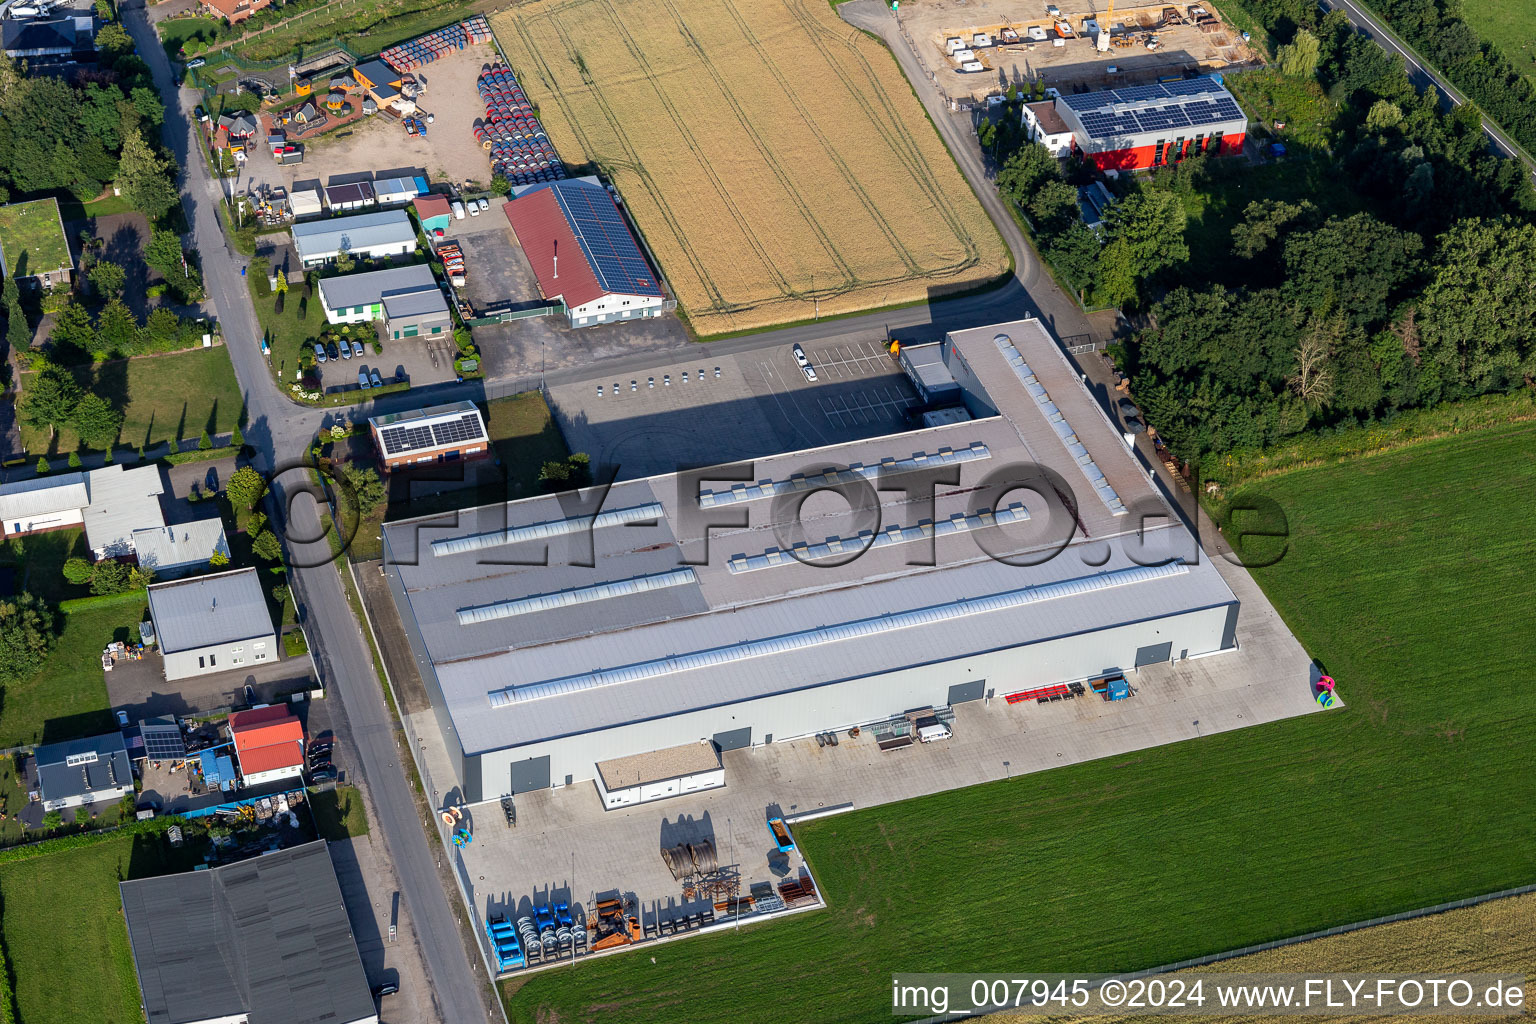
(331,350)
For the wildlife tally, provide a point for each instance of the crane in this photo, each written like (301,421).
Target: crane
(1103,40)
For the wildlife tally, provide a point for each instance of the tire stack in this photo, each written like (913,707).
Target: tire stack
(520,150)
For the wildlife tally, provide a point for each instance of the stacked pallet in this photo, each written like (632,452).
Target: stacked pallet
(520,150)
(797,891)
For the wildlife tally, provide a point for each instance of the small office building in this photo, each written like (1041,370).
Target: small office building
(407,299)
(443,433)
(212,623)
(259,941)
(376,235)
(394,191)
(82,772)
(181,549)
(269,744)
(435,214)
(641,778)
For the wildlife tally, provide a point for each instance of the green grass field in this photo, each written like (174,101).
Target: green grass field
(67,695)
(64,932)
(163,398)
(1403,577)
(1509,26)
(32,238)
(177,32)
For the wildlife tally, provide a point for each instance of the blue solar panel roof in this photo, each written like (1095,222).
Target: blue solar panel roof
(604,238)
(1190,103)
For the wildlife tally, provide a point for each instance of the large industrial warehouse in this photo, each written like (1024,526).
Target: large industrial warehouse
(1140,127)
(1022,548)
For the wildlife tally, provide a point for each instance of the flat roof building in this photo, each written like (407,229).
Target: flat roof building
(407,299)
(78,773)
(553,639)
(112,503)
(349,198)
(583,252)
(212,623)
(181,549)
(1151,125)
(925,367)
(394,191)
(376,235)
(442,433)
(260,941)
(32,243)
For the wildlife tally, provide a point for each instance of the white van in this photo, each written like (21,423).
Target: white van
(932,733)
(458,210)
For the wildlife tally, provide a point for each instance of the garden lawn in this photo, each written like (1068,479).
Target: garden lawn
(287,332)
(1403,577)
(67,696)
(37,562)
(64,931)
(176,32)
(162,398)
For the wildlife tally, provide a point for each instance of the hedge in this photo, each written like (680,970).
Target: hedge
(42,848)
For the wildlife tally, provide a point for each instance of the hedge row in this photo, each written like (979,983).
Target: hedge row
(30,851)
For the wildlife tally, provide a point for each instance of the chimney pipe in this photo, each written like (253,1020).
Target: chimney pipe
(557,257)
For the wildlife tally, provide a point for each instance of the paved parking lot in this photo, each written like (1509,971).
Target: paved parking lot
(760,404)
(422,360)
(141,689)
(565,842)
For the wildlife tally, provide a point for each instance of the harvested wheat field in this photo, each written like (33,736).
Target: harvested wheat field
(1497,937)
(771,154)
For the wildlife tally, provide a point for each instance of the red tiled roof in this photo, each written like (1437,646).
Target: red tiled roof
(544,233)
(242,720)
(287,754)
(428,207)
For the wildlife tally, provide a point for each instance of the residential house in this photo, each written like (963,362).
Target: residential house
(269,744)
(78,773)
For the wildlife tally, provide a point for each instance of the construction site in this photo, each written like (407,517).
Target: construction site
(977,48)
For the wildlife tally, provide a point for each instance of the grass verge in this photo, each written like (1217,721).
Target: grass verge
(1398,578)
(339,813)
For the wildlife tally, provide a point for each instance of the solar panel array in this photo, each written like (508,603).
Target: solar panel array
(605,240)
(410,437)
(1191,103)
(163,743)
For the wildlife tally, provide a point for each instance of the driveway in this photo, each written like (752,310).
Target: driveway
(141,689)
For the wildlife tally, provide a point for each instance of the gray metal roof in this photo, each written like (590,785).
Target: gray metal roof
(169,547)
(927,362)
(376,285)
(109,770)
(122,501)
(208,610)
(43,495)
(589,639)
(424,302)
(312,239)
(267,937)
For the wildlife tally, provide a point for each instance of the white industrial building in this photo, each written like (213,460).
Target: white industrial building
(111,503)
(375,235)
(181,549)
(1022,548)
(212,623)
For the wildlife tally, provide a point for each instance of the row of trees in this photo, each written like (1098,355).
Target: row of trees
(107,576)
(115,333)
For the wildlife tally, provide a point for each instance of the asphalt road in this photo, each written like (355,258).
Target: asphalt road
(280,431)
(1421,75)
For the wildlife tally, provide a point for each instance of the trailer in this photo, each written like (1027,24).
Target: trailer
(781,836)
(505,948)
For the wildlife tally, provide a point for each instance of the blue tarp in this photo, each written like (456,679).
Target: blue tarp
(218,771)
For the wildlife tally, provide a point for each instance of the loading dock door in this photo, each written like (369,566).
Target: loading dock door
(531,775)
(962,692)
(1157,654)
(733,740)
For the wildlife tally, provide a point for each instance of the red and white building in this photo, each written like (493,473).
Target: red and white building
(1140,127)
(583,252)
(269,744)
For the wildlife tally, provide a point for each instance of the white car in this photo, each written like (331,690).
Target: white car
(599,391)
(666,380)
(485,204)
(800,356)
(474,208)
(634,385)
(810,373)
(717,373)
(195,62)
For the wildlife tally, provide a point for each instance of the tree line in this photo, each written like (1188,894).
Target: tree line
(1437,30)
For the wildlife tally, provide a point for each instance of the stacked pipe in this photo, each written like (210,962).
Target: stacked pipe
(422,50)
(520,150)
(477,29)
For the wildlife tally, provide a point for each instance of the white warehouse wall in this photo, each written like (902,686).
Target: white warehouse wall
(838,706)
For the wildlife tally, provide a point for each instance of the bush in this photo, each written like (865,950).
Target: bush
(77,571)
(42,465)
(74,460)
(111,577)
